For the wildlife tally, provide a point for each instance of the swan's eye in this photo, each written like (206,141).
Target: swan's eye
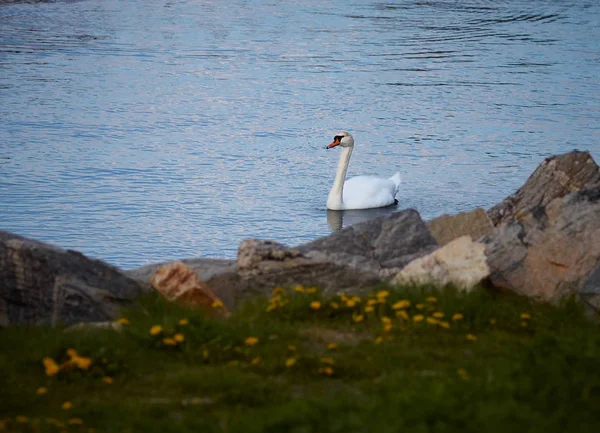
(338,138)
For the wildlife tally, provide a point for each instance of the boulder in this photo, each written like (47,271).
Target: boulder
(475,223)
(461,263)
(552,250)
(555,177)
(44,285)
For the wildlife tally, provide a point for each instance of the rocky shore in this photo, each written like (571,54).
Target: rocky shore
(543,241)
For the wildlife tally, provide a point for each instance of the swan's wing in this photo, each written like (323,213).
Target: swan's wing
(363,192)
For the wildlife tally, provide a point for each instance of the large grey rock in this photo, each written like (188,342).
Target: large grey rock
(446,228)
(552,251)
(44,285)
(555,177)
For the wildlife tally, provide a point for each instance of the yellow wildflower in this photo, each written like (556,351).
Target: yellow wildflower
(357,299)
(344,298)
(311,290)
(328,360)
(75,421)
(382,295)
(277,290)
(328,371)
(402,314)
(179,338)
(21,419)
(378,340)
(401,305)
(72,353)
(290,362)
(418,318)
(525,316)
(155,330)
(387,328)
(420,306)
(217,304)
(271,307)
(457,316)
(332,346)
(292,348)
(299,289)
(471,337)
(82,362)
(183,322)
(205,353)
(444,324)
(315,305)
(256,360)
(41,390)
(358,317)
(372,302)
(431,299)
(492,322)
(369,309)
(169,341)
(335,305)
(438,315)
(67,405)
(107,380)
(350,303)
(432,321)
(251,341)
(386,320)
(51,366)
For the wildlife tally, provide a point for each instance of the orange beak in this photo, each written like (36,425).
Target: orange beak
(334,143)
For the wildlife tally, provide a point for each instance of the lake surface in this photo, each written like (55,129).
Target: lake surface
(141,131)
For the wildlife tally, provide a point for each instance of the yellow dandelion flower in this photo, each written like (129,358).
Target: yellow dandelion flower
(205,353)
(335,305)
(357,299)
(332,346)
(184,322)
(418,318)
(401,304)
(217,304)
(328,360)
(21,419)
(350,303)
(75,421)
(372,302)
(277,290)
(51,366)
(358,317)
(67,405)
(123,321)
(402,314)
(444,324)
(299,289)
(525,316)
(438,315)
(179,338)
(344,298)
(271,307)
(378,340)
(431,299)
(72,353)
(457,316)
(387,328)
(369,309)
(292,348)
(251,341)
(107,380)
(155,330)
(386,320)
(41,390)
(327,371)
(168,341)
(432,321)
(382,295)
(492,322)
(290,362)
(420,306)
(315,305)
(256,360)
(82,362)
(310,290)
(471,337)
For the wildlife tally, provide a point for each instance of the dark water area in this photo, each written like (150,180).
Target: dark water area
(143,131)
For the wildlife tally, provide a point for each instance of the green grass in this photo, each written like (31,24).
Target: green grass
(538,373)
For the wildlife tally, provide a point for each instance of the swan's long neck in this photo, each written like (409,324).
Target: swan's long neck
(335,200)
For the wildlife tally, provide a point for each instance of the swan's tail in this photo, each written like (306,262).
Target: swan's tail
(397,180)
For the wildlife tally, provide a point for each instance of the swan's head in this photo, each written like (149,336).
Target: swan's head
(342,138)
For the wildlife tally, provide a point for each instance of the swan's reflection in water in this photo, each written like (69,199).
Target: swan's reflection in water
(337,219)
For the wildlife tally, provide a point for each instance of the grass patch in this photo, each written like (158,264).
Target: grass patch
(411,359)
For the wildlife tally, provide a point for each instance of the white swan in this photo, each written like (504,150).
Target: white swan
(360,192)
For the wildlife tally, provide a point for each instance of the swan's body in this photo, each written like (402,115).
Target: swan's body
(360,192)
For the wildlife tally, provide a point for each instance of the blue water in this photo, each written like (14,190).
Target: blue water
(143,130)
